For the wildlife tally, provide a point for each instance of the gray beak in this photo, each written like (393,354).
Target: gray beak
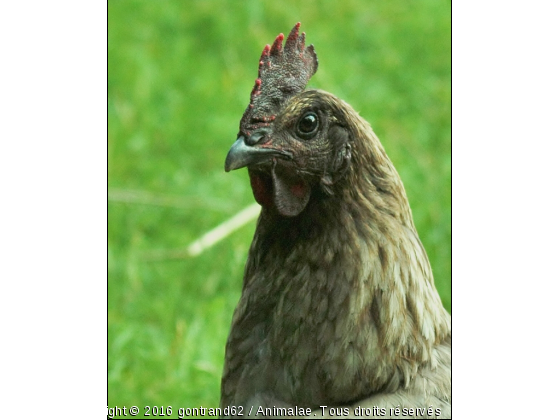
(241,154)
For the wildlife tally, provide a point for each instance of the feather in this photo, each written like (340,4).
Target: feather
(338,306)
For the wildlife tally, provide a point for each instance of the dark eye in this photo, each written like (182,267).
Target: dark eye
(307,125)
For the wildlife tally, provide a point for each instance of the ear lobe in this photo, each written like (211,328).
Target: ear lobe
(291,193)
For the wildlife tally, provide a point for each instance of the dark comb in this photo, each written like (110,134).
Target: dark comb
(283,72)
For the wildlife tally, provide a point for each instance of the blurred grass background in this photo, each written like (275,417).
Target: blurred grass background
(179,78)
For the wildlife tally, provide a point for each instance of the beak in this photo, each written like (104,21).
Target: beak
(241,154)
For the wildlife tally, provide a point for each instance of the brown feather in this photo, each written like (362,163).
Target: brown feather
(338,306)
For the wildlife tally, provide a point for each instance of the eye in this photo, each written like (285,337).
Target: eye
(307,125)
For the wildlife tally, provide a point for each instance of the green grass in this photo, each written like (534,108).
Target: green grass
(180,74)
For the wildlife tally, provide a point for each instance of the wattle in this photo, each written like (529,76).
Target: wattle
(262,188)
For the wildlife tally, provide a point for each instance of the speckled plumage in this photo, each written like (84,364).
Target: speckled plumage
(338,306)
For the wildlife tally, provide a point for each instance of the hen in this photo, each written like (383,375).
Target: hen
(339,307)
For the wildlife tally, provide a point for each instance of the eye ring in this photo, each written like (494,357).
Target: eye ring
(307,125)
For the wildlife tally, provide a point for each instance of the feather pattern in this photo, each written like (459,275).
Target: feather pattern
(338,306)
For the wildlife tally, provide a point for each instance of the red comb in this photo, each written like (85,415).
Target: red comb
(283,72)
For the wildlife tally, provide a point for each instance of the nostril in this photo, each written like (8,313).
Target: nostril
(254,138)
